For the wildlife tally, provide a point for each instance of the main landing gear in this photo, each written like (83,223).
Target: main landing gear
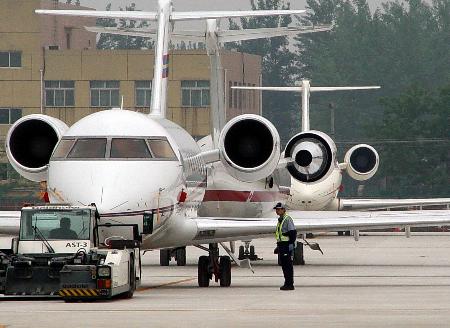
(179,254)
(214,265)
(248,252)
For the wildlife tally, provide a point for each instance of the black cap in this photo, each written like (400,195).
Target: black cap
(279,205)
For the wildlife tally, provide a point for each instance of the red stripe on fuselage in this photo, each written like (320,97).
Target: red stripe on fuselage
(242,196)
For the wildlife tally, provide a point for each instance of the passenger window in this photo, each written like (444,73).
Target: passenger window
(88,148)
(63,148)
(129,148)
(161,148)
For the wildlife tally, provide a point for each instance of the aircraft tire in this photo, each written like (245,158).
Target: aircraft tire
(252,251)
(203,271)
(181,256)
(164,257)
(225,271)
(241,252)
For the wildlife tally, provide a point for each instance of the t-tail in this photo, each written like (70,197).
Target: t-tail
(165,18)
(305,89)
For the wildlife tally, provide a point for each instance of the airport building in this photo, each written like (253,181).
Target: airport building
(50,65)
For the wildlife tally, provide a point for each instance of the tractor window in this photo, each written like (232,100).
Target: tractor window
(54,225)
(89,148)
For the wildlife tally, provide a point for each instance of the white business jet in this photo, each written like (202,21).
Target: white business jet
(130,164)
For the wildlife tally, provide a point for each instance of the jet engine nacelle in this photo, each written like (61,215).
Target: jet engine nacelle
(249,147)
(313,154)
(362,162)
(30,143)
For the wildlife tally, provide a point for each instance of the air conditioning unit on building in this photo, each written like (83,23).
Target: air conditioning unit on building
(53,47)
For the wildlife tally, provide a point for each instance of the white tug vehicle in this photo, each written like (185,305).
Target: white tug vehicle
(65,251)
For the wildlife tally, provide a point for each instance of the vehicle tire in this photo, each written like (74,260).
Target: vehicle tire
(225,271)
(181,256)
(340,233)
(203,271)
(298,255)
(348,233)
(241,252)
(252,251)
(132,279)
(164,257)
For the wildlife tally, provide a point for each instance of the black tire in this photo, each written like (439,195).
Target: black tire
(299,258)
(252,251)
(340,233)
(203,271)
(132,282)
(225,271)
(347,233)
(181,256)
(164,257)
(241,252)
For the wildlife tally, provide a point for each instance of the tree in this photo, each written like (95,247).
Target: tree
(111,41)
(277,64)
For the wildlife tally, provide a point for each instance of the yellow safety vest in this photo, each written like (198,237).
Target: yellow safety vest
(278,234)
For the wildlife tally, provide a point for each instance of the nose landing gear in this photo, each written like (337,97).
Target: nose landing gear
(214,265)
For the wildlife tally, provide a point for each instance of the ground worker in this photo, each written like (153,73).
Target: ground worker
(285,235)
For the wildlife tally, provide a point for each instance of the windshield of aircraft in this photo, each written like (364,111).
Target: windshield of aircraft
(114,148)
(55,224)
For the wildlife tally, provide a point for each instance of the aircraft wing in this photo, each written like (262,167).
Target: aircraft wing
(215,229)
(373,204)
(9,222)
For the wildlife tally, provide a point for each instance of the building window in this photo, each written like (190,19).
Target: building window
(59,93)
(143,93)
(195,93)
(11,59)
(105,93)
(10,115)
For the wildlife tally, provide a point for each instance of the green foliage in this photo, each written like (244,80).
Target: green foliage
(277,64)
(111,41)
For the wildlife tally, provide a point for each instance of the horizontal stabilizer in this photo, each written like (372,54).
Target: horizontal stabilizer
(196,15)
(262,33)
(312,89)
(176,16)
(148,33)
(134,15)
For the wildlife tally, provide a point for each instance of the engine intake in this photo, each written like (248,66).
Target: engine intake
(313,154)
(362,162)
(249,147)
(30,143)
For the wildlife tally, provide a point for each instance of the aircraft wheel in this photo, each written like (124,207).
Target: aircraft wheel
(164,257)
(252,251)
(298,255)
(225,271)
(203,271)
(181,256)
(340,233)
(241,252)
(347,233)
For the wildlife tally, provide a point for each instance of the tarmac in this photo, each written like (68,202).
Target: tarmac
(383,280)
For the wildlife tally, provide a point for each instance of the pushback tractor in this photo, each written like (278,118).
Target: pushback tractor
(65,251)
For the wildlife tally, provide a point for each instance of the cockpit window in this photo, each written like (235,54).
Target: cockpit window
(64,146)
(161,148)
(89,148)
(129,148)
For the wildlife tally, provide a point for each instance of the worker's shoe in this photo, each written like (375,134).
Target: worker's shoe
(287,288)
